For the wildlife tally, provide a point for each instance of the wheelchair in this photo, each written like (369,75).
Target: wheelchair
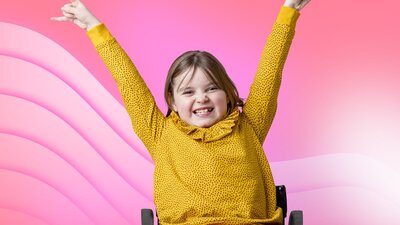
(295,218)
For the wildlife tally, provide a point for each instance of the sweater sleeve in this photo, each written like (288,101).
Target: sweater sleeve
(147,120)
(261,104)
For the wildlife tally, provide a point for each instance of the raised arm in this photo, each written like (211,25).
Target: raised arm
(261,103)
(147,119)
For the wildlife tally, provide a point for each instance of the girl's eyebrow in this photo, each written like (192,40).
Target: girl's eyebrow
(183,88)
(189,87)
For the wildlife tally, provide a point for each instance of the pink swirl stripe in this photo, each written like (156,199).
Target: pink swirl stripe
(80,117)
(14,43)
(338,170)
(79,187)
(18,217)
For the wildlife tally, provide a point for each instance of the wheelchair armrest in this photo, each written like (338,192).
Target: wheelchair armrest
(296,217)
(147,217)
(281,200)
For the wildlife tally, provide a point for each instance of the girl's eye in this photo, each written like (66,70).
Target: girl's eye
(213,88)
(187,92)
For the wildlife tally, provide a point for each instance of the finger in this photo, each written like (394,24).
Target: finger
(75,2)
(60,19)
(68,15)
(68,4)
(302,4)
(69,9)
(80,24)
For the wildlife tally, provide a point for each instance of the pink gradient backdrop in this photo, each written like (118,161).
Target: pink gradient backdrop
(69,156)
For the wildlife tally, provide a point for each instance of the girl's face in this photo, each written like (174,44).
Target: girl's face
(197,100)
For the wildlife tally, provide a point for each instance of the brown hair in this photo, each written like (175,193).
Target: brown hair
(212,68)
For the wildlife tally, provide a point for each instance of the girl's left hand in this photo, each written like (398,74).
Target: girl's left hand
(296,4)
(76,12)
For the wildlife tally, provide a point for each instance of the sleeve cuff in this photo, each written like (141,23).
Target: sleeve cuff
(288,16)
(99,34)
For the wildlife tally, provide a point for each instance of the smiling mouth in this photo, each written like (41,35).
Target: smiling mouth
(203,111)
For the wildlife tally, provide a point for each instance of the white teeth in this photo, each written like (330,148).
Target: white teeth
(199,111)
(202,111)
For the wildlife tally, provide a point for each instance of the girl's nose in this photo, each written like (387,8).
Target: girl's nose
(201,98)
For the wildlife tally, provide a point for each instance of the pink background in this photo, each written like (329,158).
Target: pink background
(69,156)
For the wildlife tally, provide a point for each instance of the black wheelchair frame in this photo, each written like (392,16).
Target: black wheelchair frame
(295,218)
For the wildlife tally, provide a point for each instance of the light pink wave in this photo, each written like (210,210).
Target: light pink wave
(52,169)
(338,170)
(50,56)
(73,152)
(39,104)
(39,200)
(341,189)
(17,217)
(35,86)
(344,205)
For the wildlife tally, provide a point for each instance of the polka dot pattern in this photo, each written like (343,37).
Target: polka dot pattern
(203,179)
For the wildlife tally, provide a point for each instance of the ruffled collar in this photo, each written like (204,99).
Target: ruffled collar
(215,132)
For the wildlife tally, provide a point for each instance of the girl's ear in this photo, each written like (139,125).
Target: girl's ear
(171,102)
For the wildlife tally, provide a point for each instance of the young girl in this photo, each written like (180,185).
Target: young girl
(210,167)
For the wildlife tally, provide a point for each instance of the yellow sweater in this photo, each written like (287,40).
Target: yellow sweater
(216,175)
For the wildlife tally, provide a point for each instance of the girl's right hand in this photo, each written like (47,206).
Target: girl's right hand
(77,13)
(296,4)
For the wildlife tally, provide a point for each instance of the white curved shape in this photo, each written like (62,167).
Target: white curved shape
(336,170)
